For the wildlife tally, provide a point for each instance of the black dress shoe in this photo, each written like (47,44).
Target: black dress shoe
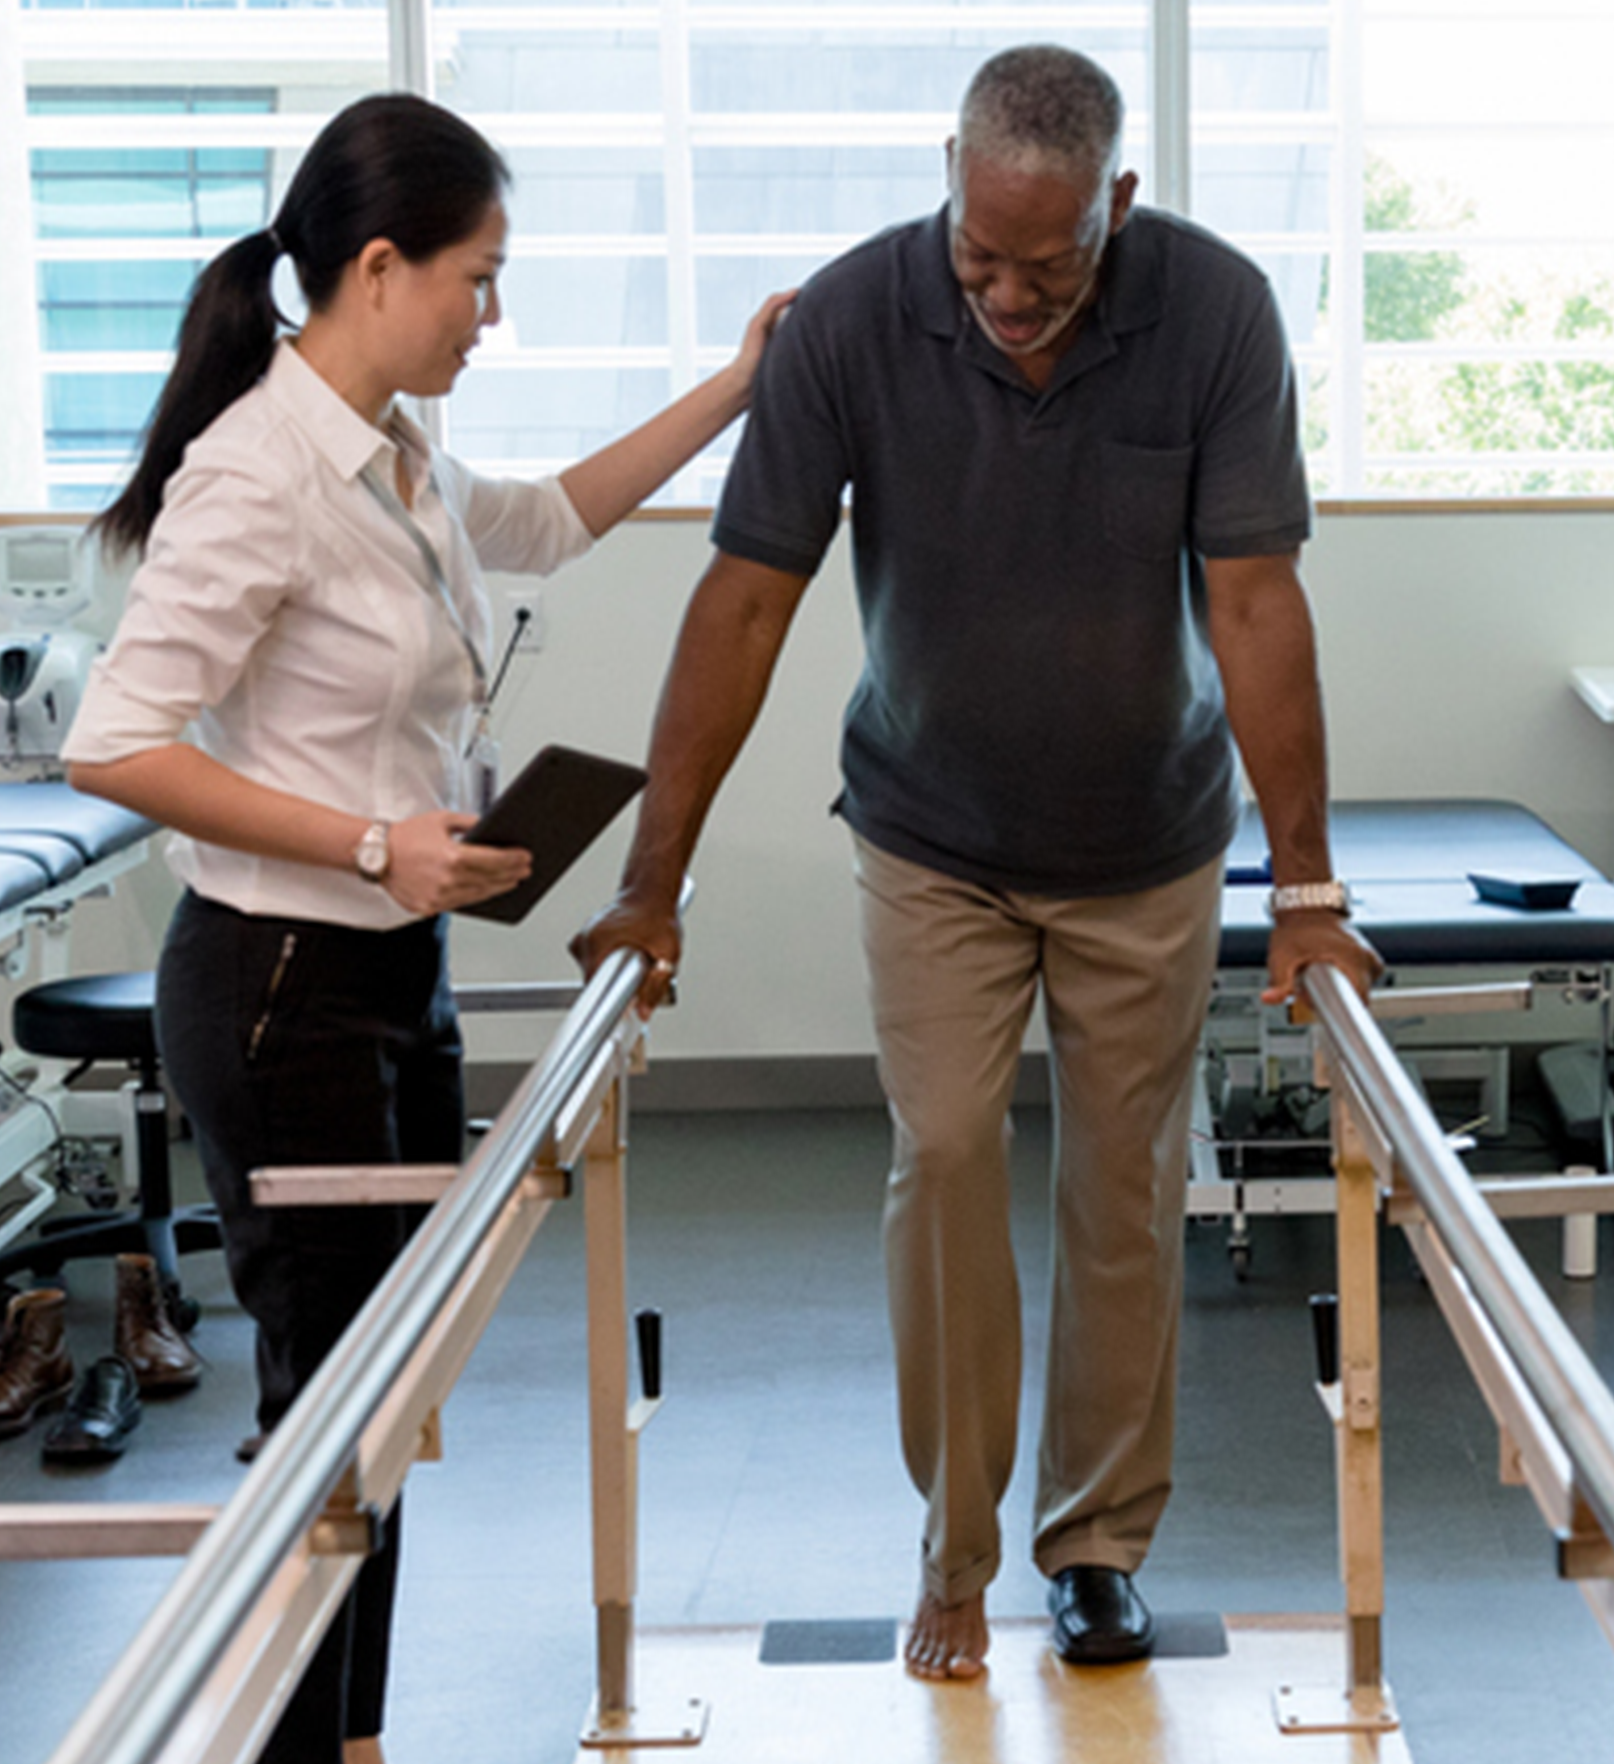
(1099,1619)
(102,1413)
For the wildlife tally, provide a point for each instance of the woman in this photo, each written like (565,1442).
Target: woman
(309,599)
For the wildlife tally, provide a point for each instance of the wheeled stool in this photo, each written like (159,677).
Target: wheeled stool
(90,1018)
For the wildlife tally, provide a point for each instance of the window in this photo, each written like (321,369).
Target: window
(154,133)
(1416,176)
(1476,261)
(95,302)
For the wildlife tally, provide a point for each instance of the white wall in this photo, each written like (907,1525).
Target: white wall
(1447,643)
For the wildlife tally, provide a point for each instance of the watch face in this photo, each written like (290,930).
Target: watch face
(372,855)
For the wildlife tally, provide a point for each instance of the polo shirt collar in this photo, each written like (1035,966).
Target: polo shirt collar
(1130,299)
(332,425)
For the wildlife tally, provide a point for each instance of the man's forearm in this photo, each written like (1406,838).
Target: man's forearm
(1261,631)
(731,637)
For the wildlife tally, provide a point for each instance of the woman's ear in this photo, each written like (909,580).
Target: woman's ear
(374,268)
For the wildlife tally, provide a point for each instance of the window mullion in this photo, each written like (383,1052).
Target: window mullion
(409,47)
(410,69)
(678,194)
(1347,275)
(1171,83)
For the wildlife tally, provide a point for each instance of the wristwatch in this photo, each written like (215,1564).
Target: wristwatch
(1327,897)
(374,857)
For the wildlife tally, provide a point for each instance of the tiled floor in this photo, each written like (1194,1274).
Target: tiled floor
(772,1487)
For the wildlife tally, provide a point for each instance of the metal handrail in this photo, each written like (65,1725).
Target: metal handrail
(1574,1399)
(140,1705)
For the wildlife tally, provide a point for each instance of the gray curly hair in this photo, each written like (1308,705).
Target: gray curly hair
(1046,107)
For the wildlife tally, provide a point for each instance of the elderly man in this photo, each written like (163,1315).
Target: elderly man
(1077,504)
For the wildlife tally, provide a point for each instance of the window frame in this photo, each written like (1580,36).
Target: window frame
(1168,129)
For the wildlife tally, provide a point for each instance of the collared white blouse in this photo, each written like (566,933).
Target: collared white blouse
(284,616)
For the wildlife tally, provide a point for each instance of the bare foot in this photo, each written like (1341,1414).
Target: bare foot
(948,1641)
(362,1751)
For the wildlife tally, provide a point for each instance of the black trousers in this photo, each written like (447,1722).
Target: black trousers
(293,1042)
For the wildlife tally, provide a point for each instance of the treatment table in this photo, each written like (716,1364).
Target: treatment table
(1408,864)
(56,848)
(57,845)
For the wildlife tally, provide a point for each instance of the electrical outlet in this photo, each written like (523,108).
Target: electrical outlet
(532,629)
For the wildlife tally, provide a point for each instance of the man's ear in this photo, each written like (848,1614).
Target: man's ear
(1121,200)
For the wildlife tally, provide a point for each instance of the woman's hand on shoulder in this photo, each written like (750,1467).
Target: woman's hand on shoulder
(764,322)
(434,870)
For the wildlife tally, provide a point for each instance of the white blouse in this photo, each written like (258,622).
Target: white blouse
(290,621)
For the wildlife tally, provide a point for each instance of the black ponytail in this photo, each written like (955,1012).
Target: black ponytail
(225,341)
(392,167)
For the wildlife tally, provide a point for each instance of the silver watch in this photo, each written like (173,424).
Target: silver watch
(374,856)
(1327,897)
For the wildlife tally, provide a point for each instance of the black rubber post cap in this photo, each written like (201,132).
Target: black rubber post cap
(648,1325)
(1325,1332)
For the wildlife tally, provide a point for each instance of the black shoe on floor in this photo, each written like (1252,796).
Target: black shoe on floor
(1099,1619)
(103,1411)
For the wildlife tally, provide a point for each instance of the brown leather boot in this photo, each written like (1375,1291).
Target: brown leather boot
(36,1370)
(144,1333)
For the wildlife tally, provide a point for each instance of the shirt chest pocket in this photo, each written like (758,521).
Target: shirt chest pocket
(1146,498)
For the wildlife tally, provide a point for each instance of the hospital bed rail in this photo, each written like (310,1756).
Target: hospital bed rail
(1555,1410)
(214,1661)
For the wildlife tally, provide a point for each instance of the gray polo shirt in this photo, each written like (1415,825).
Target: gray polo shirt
(1039,708)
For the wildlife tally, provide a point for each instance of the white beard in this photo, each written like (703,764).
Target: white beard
(1043,338)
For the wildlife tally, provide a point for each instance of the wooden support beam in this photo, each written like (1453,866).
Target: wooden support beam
(368,1185)
(41,1531)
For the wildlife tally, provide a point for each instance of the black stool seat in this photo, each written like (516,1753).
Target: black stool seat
(89,1017)
(92,1017)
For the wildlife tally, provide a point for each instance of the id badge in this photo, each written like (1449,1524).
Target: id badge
(484,771)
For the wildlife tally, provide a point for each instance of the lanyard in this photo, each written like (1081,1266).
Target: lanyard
(482,750)
(388,498)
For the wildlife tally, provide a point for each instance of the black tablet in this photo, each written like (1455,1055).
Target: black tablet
(557,807)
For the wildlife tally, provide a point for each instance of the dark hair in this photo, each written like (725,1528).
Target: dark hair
(393,167)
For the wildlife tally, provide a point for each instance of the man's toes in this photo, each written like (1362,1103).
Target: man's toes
(962,1664)
(946,1641)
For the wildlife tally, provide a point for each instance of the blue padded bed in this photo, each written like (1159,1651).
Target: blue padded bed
(56,846)
(1408,865)
(61,831)
(53,837)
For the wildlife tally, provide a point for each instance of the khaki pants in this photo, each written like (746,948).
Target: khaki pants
(954,971)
